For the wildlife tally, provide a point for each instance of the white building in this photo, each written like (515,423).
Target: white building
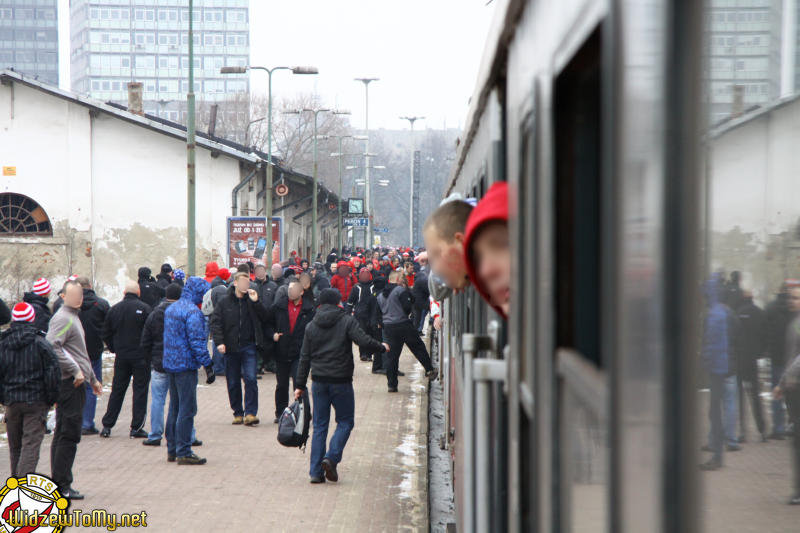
(92,189)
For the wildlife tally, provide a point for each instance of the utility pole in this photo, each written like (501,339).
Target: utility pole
(411,121)
(367,204)
(190,152)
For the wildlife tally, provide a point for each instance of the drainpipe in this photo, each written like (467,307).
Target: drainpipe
(235,193)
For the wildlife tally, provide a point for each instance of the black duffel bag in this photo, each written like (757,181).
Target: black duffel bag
(294,423)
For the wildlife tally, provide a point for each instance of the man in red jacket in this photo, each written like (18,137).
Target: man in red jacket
(344,280)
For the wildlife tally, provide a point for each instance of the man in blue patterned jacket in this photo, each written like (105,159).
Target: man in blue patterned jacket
(185,351)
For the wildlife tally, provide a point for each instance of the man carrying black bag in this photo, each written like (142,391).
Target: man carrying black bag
(327,353)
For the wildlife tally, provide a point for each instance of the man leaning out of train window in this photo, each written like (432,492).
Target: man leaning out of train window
(486,248)
(444,242)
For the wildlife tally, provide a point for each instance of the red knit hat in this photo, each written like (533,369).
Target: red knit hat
(23,312)
(493,207)
(224,273)
(41,287)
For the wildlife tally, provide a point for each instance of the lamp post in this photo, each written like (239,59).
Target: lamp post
(411,121)
(339,154)
(368,232)
(268,191)
(247,130)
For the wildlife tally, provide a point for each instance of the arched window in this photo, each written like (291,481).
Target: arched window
(19,215)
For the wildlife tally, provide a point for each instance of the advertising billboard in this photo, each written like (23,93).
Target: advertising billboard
(247,240)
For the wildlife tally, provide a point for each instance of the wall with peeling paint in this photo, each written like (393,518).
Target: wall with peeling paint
(115,193)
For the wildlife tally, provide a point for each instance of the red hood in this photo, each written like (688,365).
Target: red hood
(212,269)
(492,207)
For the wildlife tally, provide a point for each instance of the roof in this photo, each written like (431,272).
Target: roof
(157,124)
(751,114)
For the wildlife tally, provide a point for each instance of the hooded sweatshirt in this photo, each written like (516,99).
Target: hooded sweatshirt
(493,207)
(185,334)
(212,269)
(328,347)
(719,330)
(395,303)
(151,293)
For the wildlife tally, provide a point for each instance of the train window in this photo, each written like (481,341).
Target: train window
(577,190)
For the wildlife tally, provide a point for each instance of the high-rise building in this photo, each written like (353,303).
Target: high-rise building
(117,41)
(745,43)
(29,38)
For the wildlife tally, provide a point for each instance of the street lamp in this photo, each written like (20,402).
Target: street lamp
(411,121)
(339,154)
(268,192)
(368,232)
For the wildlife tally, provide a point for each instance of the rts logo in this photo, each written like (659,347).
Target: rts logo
(27,504)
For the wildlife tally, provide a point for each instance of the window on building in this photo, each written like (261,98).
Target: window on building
(20,215)
(215,86)
(145,62)
(168,86)
(195,15)
(168,39)
(25,56)
(213,62)
(198,86)
(213,15)
(237,39)
(143,38)
(168,15)
(236,15)
(144,14)
(213,39)
(185,62)
(237,86)
(168,62)
(6,13)
(236,61)
(24,13)
(185,39)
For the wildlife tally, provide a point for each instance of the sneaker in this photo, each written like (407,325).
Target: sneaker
(138,434)
(258,376)
(196,442)
(250,420)
(392,389)
(170,458)
(191,459)
(105,433)
(379,371)
(89,431)
(72,494)
(151,442)
(276,420)
(401,373)
(317,479)
(330,470)
(237,420)
(711,465)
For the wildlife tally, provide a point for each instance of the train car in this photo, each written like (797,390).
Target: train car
(577,413)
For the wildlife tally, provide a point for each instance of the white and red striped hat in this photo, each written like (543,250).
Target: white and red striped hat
(72,277)
(23,312)
(42,287)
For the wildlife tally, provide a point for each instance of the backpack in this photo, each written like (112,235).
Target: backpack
(294,423)
(208,305)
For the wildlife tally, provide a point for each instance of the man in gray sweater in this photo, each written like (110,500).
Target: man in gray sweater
(66,335)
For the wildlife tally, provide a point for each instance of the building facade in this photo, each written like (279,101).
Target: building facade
(29,38)
(117,41)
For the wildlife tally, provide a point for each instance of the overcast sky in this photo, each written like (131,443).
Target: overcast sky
(425,52)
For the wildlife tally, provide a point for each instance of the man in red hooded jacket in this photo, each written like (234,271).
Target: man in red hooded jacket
(487,253)
(344,280)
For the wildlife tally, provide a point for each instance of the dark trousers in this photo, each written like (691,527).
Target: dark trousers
(238,366)
(124,370)
(395,335)
(182,410)
(283,371)
(717,389)
(377,357)
(747,381)
(366,353)
(25,423)
(67,435)
(420,312)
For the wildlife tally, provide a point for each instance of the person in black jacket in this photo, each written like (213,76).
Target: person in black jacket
(149,292)
(5,313)
(92,315)
(30,380)
(122,332)
(288,318)
(39,298)
(237,328)
(395,303)
(327,353)
(751,338)
(164,278)
(777,316)
(364,307)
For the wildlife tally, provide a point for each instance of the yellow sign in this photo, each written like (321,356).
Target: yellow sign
(9,171)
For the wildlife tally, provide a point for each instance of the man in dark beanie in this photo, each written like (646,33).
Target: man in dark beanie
(164,278)
(149,291)
(328,354)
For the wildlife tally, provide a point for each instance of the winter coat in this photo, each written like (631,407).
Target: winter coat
(719,334)
(328,347)
(43,314)
(29,370)
(150,292)
(751,336)
(185,334)
(344,284)
(92,316)
(395,304)
(122,330)
(420,292)
(363,305)
(266,292)
(163,280)
(289,344)
(226,322)
(153,337)
(319,283)
(777,317)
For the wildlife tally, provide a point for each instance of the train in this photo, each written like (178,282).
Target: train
(578,413)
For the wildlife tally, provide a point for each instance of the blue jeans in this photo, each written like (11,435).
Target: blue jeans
(341,397)
(242,365)
(730,413)
(159,386)
(90,406)
(218,360)
(182,408)
(778,410)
